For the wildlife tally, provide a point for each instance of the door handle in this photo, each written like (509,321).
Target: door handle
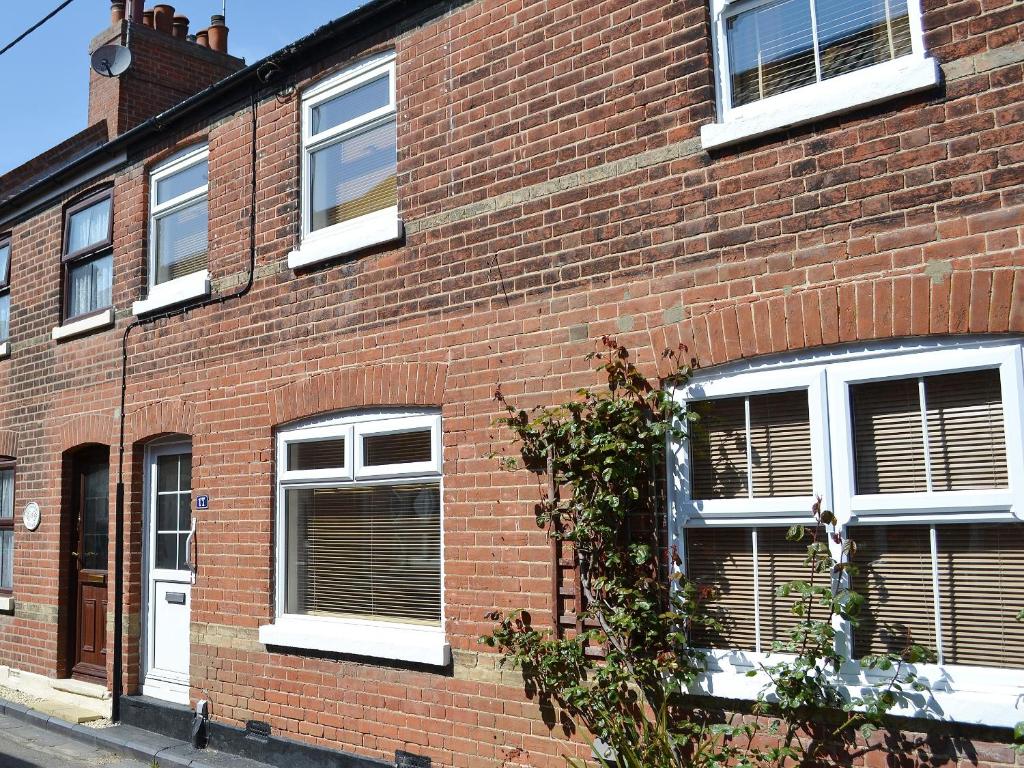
(189,562)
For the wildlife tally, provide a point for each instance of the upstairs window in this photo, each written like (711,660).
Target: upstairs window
(6,526)
(5,290)
(88,258)
(350,162)
(180,218)
(786,62)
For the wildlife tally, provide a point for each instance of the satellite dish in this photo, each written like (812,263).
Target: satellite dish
(111,60)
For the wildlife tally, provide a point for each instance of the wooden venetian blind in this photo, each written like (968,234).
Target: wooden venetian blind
(723,558)
(367,552)
(779,562)
(895,578)
(981,589)
(401,448)
(777,461)
(965,443)
(316,454)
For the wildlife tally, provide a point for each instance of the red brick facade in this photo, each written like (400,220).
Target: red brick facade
(553,189)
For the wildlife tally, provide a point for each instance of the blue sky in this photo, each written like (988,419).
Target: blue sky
(46,76)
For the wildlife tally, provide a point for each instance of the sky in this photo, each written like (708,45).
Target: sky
(44,80)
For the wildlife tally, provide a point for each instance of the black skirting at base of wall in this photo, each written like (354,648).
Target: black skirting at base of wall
(175,721)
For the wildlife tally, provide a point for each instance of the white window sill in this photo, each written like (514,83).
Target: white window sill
(364,232)
(831,97)
(375,639)
(6,604)
(103,319)
(5,350)
(174,292)
(961,694)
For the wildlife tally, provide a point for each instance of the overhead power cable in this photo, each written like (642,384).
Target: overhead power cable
(35,26)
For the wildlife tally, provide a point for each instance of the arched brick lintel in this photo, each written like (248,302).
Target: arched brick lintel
(161,418)
(963,302)
(9,443)
(87,429)
(391,384)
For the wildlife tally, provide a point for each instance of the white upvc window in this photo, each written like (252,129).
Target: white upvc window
(349,163)
(918,450)
(359,537)
(178,231)
(782,63)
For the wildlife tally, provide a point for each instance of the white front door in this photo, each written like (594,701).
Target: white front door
(168,575)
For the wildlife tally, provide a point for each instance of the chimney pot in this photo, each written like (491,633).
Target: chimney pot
(117,11)
(135,11)
(202,38)
(180,27)
(218,34)
(163,16)
(147,18)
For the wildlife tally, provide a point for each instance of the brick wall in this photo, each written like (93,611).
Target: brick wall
(553,189)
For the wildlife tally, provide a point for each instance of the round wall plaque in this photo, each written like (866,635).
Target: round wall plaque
(30,517)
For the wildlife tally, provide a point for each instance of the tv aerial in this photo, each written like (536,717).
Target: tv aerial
(111,60)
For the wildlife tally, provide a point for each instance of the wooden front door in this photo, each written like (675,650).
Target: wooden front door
(91,486)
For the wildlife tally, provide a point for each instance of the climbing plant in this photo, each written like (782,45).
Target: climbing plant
(601,454)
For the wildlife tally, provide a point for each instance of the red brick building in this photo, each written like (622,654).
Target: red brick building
(313,274)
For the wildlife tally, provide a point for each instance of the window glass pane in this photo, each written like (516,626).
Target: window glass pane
(771,50)
(351,104)
(981,589)
(167,472)
(853,34)
(354,176)
(966,437)
(6,494)
(182,182)
(90,226)
(895,578)
(402,448)
(95,516)
(167,512)
(317,454)
(780,445)
(722,558)
(181,242)
(5,263)
(719,450)
(167,551)
(5,316)
(89,285)
(888,446)
(7,560)
(779,562)
(369,552)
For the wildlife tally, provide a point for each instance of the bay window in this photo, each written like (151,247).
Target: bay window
(918,451)
(178,231)
(787,62)
(349,163)
(359,553)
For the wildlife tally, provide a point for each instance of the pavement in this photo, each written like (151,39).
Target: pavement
(24,745)
(33,739)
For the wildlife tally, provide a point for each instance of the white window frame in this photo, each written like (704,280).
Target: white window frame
(370,229)
(186,287)
(960,693)
(908,74)
(374,638)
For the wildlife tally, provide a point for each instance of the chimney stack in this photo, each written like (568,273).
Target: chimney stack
(167,65)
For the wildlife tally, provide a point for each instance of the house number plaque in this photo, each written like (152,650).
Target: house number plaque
(30,517)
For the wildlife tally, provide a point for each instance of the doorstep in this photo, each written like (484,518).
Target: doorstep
(160,751)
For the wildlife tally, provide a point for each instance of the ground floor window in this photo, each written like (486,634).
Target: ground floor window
(6,526)
(359,521)
(918,451)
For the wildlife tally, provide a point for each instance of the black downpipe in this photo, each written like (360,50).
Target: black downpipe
(115,708)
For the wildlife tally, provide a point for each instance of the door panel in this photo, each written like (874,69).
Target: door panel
(168,576)
(91,486)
